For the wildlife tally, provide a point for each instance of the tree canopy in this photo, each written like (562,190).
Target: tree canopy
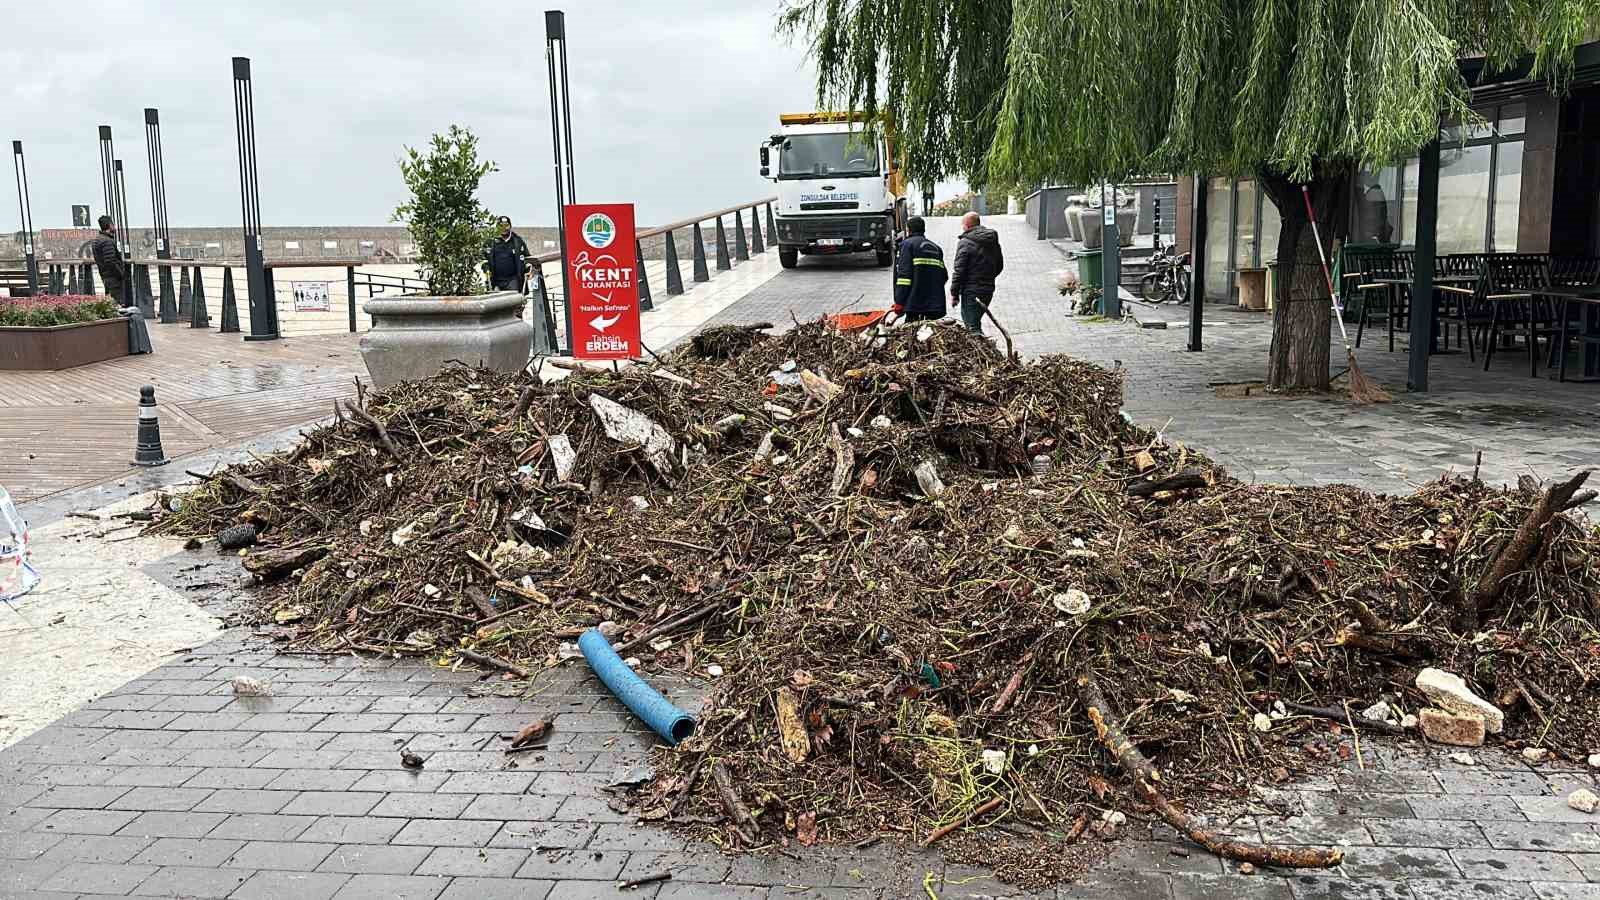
(1083,90)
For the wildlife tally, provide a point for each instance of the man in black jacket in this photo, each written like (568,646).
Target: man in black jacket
(108,259)
(978,261)
(506,260)
(919,275)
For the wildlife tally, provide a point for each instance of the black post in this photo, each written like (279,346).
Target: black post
(142,293)
(756,245)
(1110,251)
(230,304)
(1423,313)
(772,225)
(1044,196)
(124,232)
(674,275)
(1197,251)
(25,205)
(87,281)
(263,306)
(108,196)
(167,309)
(644,279)
(723,263)
(700,273)
(185,294)
(74,284)
(158,199)
(555,29)
(741,251)
(199,316)
(350,294)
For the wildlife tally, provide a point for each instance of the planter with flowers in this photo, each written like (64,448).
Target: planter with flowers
(59,332)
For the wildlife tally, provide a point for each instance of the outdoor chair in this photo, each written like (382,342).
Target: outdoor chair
(1459,300)
(1386,278)
(1517,307)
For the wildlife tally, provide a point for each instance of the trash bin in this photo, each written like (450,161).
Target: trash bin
(1089,268)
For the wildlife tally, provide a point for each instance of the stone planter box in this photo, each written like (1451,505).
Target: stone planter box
(25,347)
(415,337)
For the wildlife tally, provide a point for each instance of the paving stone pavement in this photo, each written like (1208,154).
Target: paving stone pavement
(1522,425)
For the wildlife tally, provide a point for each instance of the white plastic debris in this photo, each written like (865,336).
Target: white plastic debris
(855,432)
(1073,602)
(402,535)
(660,644)
(365,527)
(1594,760)
(925,334)
(990,487)
(609,629)
(638,502)
(17,574)
(714,670)
(880,422)
(1408,721)
(562,454)
(1464,758)
(429,590)
(632,662)
(789,365)
(1040,465)
(927,473)
(1263,722)
(632,427)
(1535,755)
(994,761)
(245,686)
(1114,817)
(568,650)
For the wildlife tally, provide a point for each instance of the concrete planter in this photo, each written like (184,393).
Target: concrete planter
(415,337)
(24,347)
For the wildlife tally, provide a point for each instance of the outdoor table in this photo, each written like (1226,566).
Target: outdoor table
(1451,282)
(1590,338)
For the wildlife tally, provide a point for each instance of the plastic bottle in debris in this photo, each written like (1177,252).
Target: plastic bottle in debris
(17,574)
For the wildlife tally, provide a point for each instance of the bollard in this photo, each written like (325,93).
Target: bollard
(772,225)
(88,280)
(147,450)
(644,279)
(185,293)
(756,245)
(230,304)
(143,297)
(723,263)
(169,300)
(199,316)
(741,251)
(73,287)
(700,273)
(674,275)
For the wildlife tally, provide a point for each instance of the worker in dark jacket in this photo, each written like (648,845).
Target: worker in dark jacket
(978,261)
(506,260)
(919,275)
(108,259)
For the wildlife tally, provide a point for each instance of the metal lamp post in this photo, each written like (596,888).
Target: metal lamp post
(555,42)
(263,305)
(125,243)
(158,198)
(108,191)
(25,205)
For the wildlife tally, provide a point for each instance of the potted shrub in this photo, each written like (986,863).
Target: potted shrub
(415,336)
(58,332)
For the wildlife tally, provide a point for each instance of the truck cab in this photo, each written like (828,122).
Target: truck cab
(839,190)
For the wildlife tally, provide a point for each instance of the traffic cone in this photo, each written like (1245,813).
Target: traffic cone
(147,450)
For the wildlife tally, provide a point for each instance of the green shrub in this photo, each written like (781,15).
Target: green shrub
(448,223)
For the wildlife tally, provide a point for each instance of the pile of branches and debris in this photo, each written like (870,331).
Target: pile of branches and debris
(940,588)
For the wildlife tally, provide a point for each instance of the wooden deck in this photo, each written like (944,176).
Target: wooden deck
(61,430)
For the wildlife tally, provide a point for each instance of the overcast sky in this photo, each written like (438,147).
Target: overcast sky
(670,101)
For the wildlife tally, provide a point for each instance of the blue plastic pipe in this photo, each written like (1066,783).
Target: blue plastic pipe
(673,724)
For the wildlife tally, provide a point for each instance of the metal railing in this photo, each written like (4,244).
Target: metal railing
(726,256)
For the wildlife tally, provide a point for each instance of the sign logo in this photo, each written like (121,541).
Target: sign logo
(604,293)
(599,230)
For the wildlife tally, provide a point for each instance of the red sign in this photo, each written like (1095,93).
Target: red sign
(601,274)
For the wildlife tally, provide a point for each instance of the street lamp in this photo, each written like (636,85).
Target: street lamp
(263,305)
(19,165)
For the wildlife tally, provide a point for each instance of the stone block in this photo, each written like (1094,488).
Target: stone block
(1450,693)
(1449,728)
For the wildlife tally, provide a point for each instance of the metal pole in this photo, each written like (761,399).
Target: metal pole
(1110,251)
(122,229)
(566,109)
(554,29)
(1426,244)
(19,166)
(1197,251)
(158,183)
(263,305)
(107,190)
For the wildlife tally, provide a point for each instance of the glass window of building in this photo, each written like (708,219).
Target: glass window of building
(1219,230)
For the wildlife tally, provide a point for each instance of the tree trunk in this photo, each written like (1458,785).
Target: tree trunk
(1302,318)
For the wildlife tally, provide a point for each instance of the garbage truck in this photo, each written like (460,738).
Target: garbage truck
(839,187)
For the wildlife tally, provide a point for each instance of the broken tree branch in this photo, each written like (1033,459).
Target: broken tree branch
(742,820)
(983,810)
(361,416)
(1182,481)
(495,662)
(1336,714)
(1523,543)
(1145,776)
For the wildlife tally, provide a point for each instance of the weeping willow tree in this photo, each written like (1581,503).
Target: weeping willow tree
(1291,92)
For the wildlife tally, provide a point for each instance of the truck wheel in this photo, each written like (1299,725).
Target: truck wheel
(885,258)
(788,257)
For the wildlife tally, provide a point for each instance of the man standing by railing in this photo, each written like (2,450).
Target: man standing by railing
(506,260)
(108,259)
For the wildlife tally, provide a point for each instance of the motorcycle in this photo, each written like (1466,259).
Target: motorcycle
(1168,278)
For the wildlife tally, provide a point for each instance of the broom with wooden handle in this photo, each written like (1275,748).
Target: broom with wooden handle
(1363,390)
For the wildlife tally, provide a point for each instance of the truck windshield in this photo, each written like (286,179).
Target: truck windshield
(810,155)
